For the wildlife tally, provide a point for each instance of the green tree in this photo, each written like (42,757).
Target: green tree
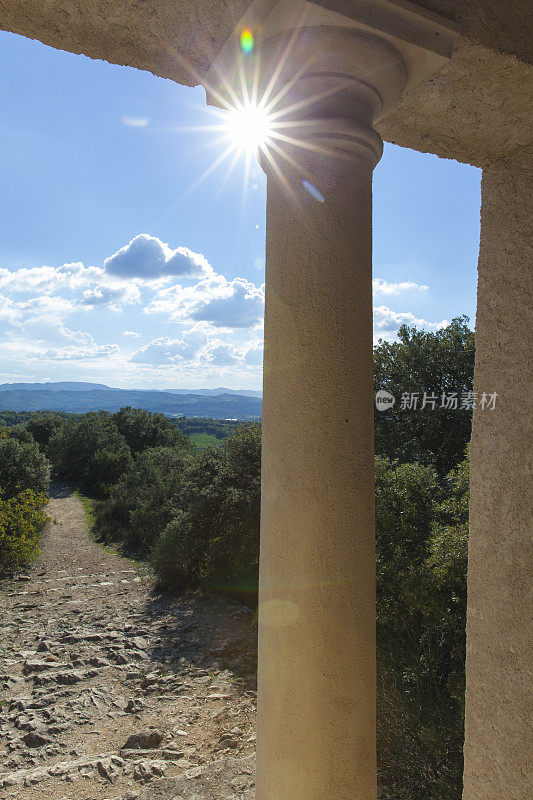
(42,426)
(421,535)
(436,363)
(142,429)
(213,540)
(22,466)
(145,499)
(91,452)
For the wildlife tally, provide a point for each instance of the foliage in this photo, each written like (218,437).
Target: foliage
(14,417)
(142,503)
(42,425)
(21,520)
(196,510)
(436,363)
(22,466)
(91,452)
(142,429)
(213,540)
(18,432)
(421,534)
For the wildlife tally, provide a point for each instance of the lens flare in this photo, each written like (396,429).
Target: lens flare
(249,127)
(247,41)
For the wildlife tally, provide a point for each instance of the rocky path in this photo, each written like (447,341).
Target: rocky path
(110,690)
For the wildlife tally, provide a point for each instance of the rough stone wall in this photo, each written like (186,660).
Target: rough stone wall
(499,697)
(502,26)
(175,39)
(476,109)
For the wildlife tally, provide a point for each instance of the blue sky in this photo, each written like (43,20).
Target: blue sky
(116,267)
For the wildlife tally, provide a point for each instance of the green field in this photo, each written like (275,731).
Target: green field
(204,439)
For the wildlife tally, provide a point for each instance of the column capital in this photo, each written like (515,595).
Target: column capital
(327,74)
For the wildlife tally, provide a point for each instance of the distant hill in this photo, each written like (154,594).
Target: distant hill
(213,392)
(82,397)
(69,386)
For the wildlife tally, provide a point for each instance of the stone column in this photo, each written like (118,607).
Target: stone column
(317,662)
(499,695)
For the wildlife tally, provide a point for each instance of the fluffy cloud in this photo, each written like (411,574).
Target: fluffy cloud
(35,338)
(223,355)
(195,347)
(381,286)
(387,322)
(51,284)
(240,306)
(115,298)
(215,300)
(81,353)
(254,356)
(167,351)
(147,257)
(133,334)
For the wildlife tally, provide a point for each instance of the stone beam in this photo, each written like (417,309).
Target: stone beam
(175,39)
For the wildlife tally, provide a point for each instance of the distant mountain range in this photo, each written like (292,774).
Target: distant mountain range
(79,397)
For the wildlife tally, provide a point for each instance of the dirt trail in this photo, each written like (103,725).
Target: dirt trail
(91,657)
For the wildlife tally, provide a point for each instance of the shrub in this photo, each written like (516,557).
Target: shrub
(21,520)
(214,539)
(435,362)
(18,432)
(143,429)
(91,452)
(421,533)
(142,503)
(22,466)
(42,426)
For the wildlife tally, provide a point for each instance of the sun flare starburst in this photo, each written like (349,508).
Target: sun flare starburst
(249,127)
(260,118)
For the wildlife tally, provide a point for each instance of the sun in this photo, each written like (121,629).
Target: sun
(249,127)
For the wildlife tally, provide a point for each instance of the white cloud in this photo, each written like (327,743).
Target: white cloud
(148,258)
(387,322)
(167,351)
(54,282)
(240,306)
(381,286)
(115,297)
(133,334)
(44,339)
(197,347)
(81,353)
(8,309)
(223,355)
(222,303)
(254,356)
(136,122)
(37,309)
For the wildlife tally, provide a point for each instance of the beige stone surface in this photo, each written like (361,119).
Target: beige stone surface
(502,26)
(476,109)
(499,695)
(316,731)
(174,39)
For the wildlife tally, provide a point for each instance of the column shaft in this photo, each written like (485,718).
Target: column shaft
(499,697)
(316,734)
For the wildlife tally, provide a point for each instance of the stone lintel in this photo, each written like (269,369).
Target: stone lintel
(422,38)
